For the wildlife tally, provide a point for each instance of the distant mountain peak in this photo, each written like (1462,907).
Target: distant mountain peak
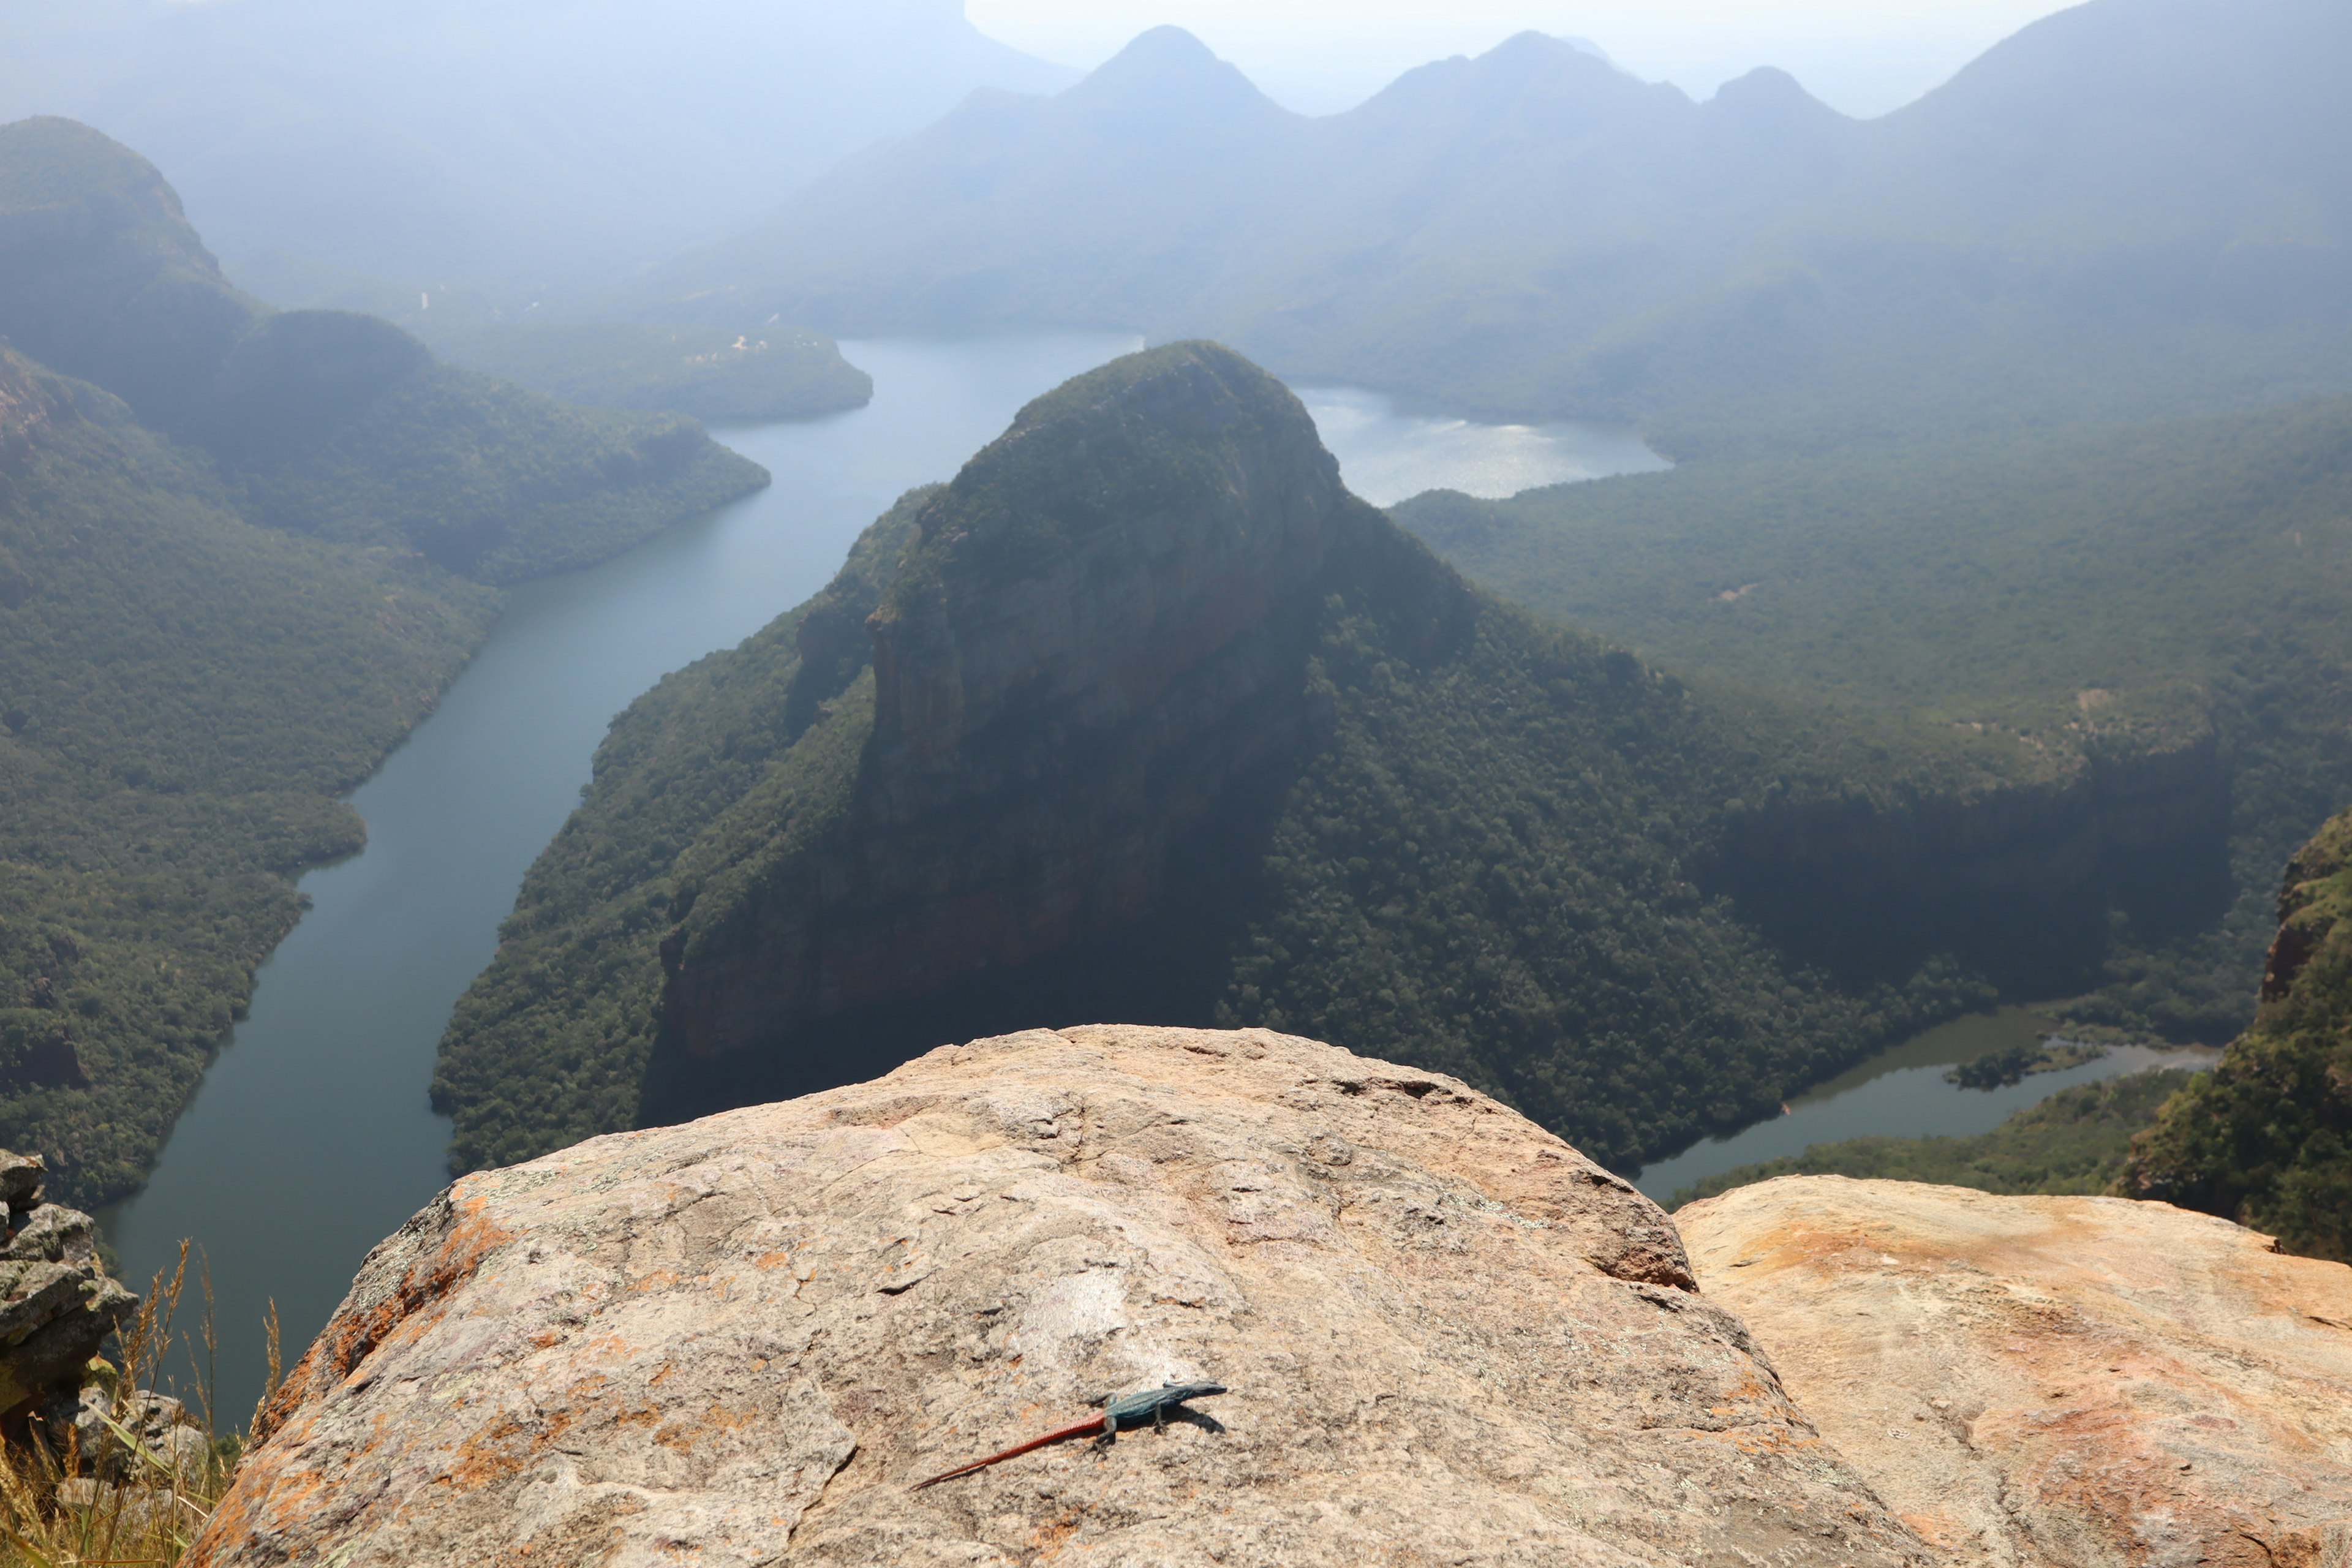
(1769,96)
(1167,69)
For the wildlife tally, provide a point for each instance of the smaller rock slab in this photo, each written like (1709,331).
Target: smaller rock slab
(2053,1381)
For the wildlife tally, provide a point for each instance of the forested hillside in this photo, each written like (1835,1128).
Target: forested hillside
(1145,716)
(774,372)
(186,694)
(2180,586)
(241,555)
(322,421)
(2128,209)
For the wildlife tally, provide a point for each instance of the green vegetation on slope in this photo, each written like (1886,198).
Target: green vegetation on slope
(2074,1141)
(479,476)
(2091,594)
(183,695)
(549,1045)
(773,373)
(1487,870)
(226,592)
(2266,1137)
(1484,858)
(324,421)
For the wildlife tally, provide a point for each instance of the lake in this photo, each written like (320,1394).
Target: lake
(1386,456)
(310,1139)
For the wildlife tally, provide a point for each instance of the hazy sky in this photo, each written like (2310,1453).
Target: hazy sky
(1865,57)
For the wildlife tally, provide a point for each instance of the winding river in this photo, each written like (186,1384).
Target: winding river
(310,1139)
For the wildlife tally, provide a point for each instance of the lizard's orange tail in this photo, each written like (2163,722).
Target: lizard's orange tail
(1083,1429)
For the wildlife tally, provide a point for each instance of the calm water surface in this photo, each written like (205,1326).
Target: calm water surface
(1901,1093)
(310,1139)
(1386,456)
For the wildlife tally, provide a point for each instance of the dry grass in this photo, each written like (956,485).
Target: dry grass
(123,1501)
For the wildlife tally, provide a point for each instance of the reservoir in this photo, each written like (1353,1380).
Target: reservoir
(310,1139)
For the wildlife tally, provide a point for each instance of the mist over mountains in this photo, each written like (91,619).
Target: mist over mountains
(2126,210)
(511,144)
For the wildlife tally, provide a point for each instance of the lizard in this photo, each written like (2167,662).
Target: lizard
(1128,1410)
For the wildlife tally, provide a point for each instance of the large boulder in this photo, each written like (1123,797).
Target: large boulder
(2073,1382)
(1448,1338)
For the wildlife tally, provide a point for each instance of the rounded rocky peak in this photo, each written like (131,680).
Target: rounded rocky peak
(1186,429)
(1195,385)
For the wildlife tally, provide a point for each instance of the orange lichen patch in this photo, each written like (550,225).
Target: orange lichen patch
(1771,1438)
(401,1313)
(1048,1539)
(767,1260)
(491,1454)
(681,1435)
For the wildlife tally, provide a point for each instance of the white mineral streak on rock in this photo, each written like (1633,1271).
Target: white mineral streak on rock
(2054,1382)
(1449,1338)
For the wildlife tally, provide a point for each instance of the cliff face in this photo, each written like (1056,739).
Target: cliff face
(1446,1336)
(2036,1380)
(2017,878)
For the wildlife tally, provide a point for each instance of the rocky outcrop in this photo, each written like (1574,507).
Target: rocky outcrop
(1091,658)
(2265,1137)
(2061,1381)
(56,1303)
(1448,1337)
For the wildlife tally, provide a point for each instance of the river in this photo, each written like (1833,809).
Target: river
(310,1139)
(1902,1093)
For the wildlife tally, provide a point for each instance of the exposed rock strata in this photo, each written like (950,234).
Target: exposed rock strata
(56,1303)
(2063,1382)
(1448,1336)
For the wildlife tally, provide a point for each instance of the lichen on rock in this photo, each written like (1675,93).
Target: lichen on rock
(1448,1338)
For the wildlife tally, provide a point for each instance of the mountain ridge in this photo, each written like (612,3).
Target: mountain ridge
(1750,272)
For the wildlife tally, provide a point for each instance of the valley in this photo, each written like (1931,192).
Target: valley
(778,695)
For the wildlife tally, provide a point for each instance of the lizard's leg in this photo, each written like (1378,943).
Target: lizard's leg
(1159,1418)
(1110,1432)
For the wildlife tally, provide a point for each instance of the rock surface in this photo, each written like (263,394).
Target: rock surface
(56,1303)
(1449,1338)
(2053,1381)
